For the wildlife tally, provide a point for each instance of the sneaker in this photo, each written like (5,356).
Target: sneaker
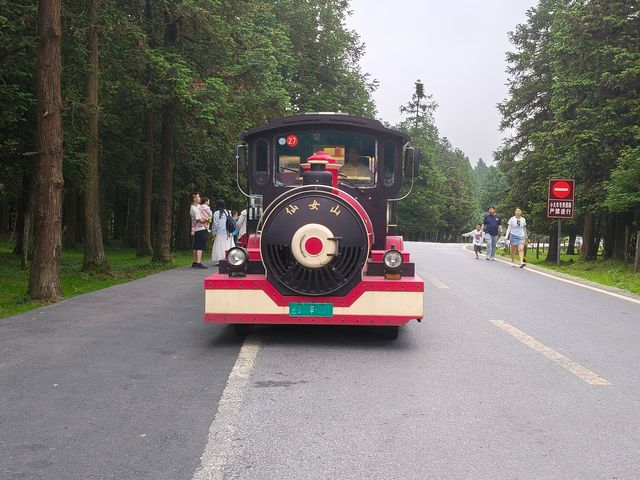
(194,265)
(487,258)
(513,264)
(201,266)
(522,264)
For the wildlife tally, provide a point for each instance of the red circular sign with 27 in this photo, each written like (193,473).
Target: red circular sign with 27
(292,140)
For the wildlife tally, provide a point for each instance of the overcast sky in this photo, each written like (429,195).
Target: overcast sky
(457,48)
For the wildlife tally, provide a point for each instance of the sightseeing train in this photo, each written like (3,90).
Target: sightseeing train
(323,247)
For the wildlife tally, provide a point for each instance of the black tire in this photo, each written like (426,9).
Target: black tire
(389,333)
(242,329)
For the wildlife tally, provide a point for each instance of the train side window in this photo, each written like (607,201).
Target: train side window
(262,162)
(389,165)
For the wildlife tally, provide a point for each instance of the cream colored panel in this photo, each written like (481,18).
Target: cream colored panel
(386,303)
(370,303)
(240,301)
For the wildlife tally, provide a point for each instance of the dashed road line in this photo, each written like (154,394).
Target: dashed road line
(222,429)
(433,280)
(583,373)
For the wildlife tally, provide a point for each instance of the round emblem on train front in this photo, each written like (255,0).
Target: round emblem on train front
(313,242)
(313,245)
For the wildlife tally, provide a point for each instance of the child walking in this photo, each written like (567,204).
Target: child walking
(478,237)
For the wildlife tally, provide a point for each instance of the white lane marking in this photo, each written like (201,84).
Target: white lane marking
(436,283)
(219,442)
(583,373)
(577,284)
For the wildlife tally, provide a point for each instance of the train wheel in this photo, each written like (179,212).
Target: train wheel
(242,329)
(389,333)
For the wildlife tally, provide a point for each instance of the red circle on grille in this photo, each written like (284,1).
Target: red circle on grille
(313,246)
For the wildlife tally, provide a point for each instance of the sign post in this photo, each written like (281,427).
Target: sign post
(560,204)
(559,242)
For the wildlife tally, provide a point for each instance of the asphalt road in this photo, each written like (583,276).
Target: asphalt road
(512,375)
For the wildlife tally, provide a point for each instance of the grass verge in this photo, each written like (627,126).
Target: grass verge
(604,271)
(125,266)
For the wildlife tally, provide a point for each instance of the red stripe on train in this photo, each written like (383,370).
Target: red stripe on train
(272,318)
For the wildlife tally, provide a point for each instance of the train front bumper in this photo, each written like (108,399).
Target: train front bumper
(374,301)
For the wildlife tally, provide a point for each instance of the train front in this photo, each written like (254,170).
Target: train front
(312,257)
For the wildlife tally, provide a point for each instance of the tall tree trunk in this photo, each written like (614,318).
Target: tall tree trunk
(132,219)
(588,250)
(162,250)
(620,240)
(571,246)
(609,236)
(70,218)
(636,263)
(183,224)
(44,276)
(144,229)
(23,205)
(28,230)
(120,207)
(5,215)
(94,256)
(626,244)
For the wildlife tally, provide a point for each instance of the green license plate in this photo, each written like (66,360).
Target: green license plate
(298,309)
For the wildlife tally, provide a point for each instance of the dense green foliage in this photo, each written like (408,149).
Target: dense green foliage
(216,67)
(574,106)
(179,80)
(444,201)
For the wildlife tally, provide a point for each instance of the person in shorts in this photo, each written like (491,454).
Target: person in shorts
(517,235)
(198,231)
(478,236)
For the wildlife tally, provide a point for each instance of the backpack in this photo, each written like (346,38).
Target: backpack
(230,224)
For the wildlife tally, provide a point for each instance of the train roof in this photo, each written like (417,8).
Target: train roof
(325,119)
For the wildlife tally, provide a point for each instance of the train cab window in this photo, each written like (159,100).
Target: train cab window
(389,163)
(262,161)
(355,153)
(358,168)
(288,170)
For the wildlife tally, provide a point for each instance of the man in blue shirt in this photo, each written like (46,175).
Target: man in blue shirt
(491,227)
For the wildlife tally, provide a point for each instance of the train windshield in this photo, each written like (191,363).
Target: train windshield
(355,153)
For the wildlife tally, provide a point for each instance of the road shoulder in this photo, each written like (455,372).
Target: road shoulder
(571,278)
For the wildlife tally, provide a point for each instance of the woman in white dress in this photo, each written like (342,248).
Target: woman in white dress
(224,239)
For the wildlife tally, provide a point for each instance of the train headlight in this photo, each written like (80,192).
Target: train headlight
(392,261)
(237,259)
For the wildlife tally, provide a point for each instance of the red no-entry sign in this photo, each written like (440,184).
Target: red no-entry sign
(560,199)
(561,189)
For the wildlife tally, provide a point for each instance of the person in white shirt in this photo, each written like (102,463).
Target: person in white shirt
(478,237)
(517,235)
